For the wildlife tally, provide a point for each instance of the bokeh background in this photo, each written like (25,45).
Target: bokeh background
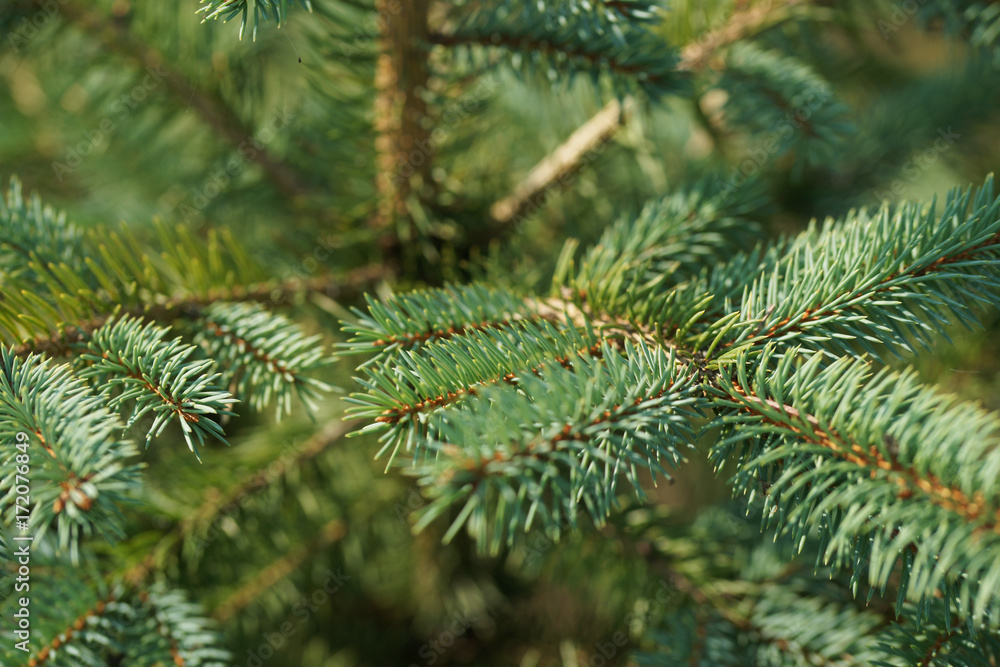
(295,539)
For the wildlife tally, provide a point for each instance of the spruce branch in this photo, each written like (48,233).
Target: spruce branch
(760,607)
(402,391)
(32,232)
(934,643)
(170,629)
(861,461)
(146,627)
(262,356)
(879,282)
(972,21)
(78,637)
(778,613)
(186,533)
(276,571)
(192,306)
(130,364)
(85,472)
(670,241)
(187,94)
(536,451)
(743,24)
(276,10)
(549,39)
(602,127)
(406,321)
(776,96)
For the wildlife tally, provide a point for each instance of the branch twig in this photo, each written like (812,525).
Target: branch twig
(602,127)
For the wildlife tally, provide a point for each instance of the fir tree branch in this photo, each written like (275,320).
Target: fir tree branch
(131,356)
(653,66)
(261,355)
(73,630)
(409,320)
(908,267)
(86,473)
(416,382)
(217,503)
(269,9)
(878,457)
(743,24)
(192,306)
(533,452)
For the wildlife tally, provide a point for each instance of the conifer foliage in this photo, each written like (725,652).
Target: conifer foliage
(682,330)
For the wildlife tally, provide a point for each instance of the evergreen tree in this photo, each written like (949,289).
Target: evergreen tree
(560,249)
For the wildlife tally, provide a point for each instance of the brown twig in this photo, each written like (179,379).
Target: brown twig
(602,127)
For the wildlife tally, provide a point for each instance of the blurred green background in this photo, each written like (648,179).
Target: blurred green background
(119,111)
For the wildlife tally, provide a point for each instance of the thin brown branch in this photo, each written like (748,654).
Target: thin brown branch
(569,433)
(405,410)
(742,24)
(602,127)
(256,482)
(409,340)
(567,158)
(66,636)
